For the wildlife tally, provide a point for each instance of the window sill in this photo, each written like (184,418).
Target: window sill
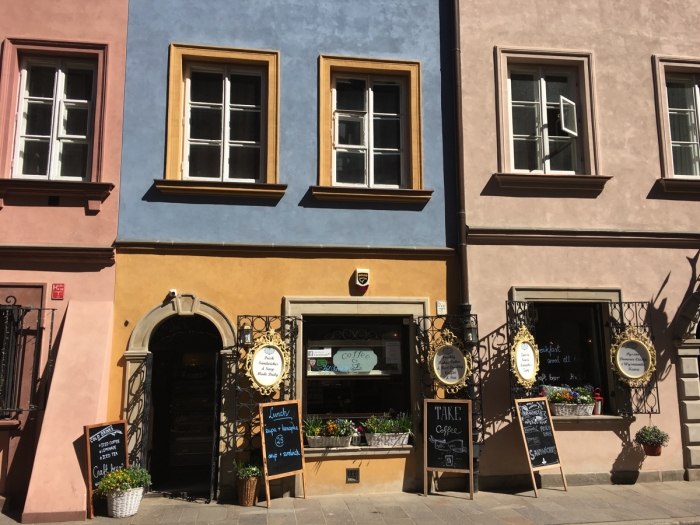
(253,190)
(678,185)
(343,193)
(584,420)
(399,450)
(93,192)
(8,424)
(552,182)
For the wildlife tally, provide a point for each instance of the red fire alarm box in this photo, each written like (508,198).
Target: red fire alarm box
(57,291)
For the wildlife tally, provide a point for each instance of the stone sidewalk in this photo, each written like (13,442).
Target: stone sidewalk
(652,503)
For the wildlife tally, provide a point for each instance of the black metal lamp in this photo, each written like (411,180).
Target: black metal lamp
(245,336)
(471,333)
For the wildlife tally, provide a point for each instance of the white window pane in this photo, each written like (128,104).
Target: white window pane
(74,159)
(39,117)
(557,86)
(387,98)
(387,169)
(246,90)
(523,87)
(79,84)
(243,162)
(204,161)
(562,154)
(387,133)
(76,121)
(350,94)
(41,81)
(682,126)
(206,87)
(567,114)
(205,124)
(685,159)
(350,167)
(35,157)
(245,125)
(680,94)
(350,131)
(526,154)
(525,120)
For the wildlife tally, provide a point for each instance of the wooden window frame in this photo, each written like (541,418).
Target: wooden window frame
(588,176)
(410,72)
(663,67)
(174,182)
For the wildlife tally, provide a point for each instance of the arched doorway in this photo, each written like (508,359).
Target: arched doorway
(185,395)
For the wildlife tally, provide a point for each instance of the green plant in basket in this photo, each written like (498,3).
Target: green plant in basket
(338,428)
(376,425)
(403,424)
(651,436)
(247,470)
(122,480)
(312,426)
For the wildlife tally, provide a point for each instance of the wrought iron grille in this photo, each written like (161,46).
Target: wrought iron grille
(241,425)
(632,400)
(519,313)
(21,336)
(427,329)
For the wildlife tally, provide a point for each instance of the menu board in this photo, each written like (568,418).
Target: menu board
(283,452)
(372,358)
(538,434)
(107,450)
(447,435)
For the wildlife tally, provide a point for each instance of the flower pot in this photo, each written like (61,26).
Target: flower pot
(652,450)
(565,409)
(328,441)
(247,491)
(121,504)
(386,440)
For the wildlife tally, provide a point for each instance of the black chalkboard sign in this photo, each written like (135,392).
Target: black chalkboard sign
(447,438)
(282,444)
(107,450)
(538,435)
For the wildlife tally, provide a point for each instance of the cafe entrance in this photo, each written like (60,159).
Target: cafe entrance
(185,394)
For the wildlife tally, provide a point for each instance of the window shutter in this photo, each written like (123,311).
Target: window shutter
(629,400)
(519,313)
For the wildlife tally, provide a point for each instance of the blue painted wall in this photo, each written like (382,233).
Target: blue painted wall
(301,30)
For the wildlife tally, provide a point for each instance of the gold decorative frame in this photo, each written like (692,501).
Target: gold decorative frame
(268,339)
(524,336)
(633,334)
(447,339)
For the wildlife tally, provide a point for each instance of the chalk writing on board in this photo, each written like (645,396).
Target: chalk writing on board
(282,438)
(539,437)
(447,436)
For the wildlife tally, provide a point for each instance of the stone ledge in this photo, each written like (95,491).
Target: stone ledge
(542,181)
(400,450)
(584,420)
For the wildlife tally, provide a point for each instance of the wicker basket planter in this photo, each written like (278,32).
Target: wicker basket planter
(386,440)
(122,504)
(247,491)
(564,409)
(328,441)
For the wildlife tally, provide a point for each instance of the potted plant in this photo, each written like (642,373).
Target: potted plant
(386,431)
(248,475)
(328,433)
(567,401)
(652,439)
(124,490)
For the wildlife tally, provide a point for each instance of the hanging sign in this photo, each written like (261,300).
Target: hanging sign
(267,363)
(524,358)
(538,434)
(283,452)
(633,356)
(447,438)
(107,450)
(450,365)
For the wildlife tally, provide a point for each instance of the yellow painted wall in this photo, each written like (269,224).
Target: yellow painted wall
(256,284)
(377,474)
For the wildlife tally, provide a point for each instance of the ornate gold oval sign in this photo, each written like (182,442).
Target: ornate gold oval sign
(633,357)
(524,358)
(450,365)
(267,363)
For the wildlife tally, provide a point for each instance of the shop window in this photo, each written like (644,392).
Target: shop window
(356,366)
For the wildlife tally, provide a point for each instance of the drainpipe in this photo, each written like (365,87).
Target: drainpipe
(464,308)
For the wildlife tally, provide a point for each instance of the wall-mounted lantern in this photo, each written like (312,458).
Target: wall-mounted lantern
(245,336)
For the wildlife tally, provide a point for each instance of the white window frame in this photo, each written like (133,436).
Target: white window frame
(226,70)
(59,110)
(695,81)
(368,129)
(543,128)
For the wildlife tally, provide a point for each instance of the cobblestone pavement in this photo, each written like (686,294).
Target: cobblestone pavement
(652,503)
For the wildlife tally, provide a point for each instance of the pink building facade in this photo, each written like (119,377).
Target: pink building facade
(61,102)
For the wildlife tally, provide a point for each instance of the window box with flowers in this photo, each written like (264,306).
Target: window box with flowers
(565,401)
(330,433)
(386,431)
